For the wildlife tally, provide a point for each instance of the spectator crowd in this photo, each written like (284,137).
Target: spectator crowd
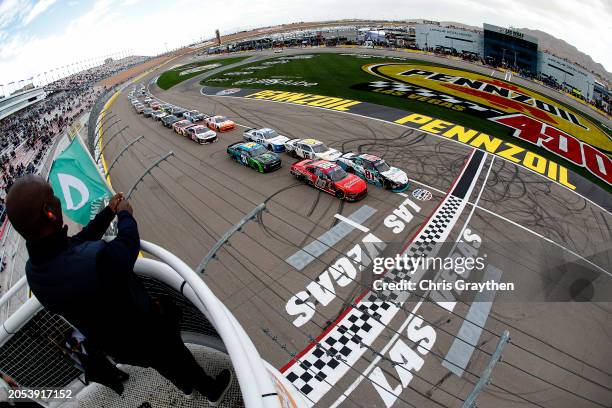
(90,76)
(27,135)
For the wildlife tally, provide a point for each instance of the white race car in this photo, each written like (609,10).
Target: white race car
(201,134)
(158,115)
(374,170)
(311,149)
(266,137)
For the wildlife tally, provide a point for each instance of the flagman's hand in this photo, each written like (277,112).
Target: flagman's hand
(114,202)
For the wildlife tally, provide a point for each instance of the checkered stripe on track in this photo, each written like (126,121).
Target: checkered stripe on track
(323,365)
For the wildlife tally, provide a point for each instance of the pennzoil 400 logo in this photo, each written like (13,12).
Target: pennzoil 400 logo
(532,117)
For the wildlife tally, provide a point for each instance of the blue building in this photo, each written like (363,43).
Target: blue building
(508,47)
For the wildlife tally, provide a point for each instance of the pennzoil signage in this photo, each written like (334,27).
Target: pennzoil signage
(532,117)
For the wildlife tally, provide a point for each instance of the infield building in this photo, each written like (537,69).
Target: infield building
(511,48)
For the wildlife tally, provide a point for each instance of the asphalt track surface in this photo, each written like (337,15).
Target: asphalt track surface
(549,241)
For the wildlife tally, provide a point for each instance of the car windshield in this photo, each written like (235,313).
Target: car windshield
(336,174)
(171,117)
(200,130)
(382,166)
(257,151)
(221,119)
(321,148)
(270,134)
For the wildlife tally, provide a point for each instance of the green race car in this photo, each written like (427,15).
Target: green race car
(254,155)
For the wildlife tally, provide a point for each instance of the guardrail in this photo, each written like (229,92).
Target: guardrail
(93,116)
(31,355)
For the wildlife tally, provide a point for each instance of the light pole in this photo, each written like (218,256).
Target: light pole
(426,35)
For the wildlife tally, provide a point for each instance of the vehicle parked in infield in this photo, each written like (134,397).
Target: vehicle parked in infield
(156,107)
(219,123)
(201,134)
(311,149)
(147,112)
(139,108)
(180,126)
(169,120)
(331,178)
(374,170)
(194,116)
(266,137)
(254,155)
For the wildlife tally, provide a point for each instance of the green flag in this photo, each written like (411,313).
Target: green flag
(77,183)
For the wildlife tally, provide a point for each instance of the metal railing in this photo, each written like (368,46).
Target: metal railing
(31,353)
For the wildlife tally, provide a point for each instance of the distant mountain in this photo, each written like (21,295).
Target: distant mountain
(557,47)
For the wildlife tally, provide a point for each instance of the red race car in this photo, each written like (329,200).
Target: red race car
(331,178)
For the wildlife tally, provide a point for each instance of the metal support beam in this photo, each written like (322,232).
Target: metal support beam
(485,378)
(104,118)
(109,139)
(227,235)
(147,171)
(100,132)
(101,118)
(127,146)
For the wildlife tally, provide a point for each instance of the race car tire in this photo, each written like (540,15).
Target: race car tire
(339,194)
(270,148)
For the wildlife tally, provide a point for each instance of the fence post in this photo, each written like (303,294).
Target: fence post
(108,141)
(147,171)
(227,235)
(485,378)
(127,146)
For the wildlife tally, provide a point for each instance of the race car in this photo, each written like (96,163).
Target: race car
(255,156)
(169,120)
(374,170)
(194,116)
(179,126)
(219,123)
(331,178)
(158,115)
(311,149)
(201,134)
(266,137)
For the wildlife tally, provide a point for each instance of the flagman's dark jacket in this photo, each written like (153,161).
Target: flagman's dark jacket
(92,284)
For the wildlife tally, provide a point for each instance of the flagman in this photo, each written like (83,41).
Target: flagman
(91,283)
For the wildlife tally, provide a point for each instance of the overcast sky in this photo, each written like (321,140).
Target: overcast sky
(39,35)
